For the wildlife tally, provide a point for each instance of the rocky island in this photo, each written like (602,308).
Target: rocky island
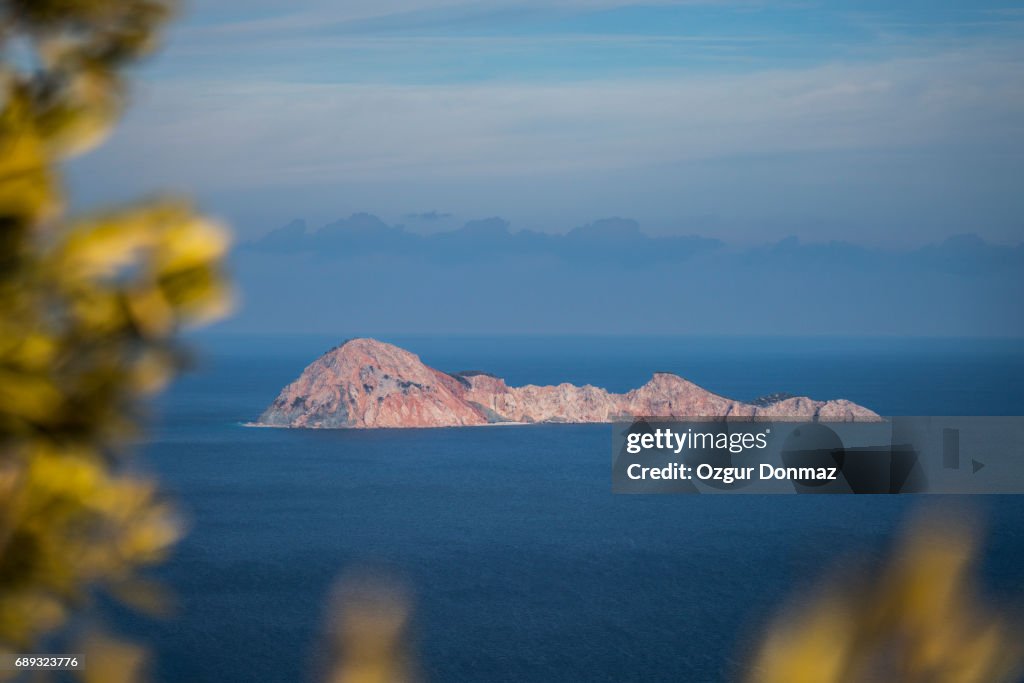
(365,383)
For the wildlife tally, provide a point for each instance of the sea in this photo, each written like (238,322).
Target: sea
(518,561)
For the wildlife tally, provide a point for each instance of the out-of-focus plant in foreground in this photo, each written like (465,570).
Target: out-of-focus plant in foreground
(369,633)
(89,309)
(920,619)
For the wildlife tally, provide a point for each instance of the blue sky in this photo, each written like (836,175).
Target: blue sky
(745,120)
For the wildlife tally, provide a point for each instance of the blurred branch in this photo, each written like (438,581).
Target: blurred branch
(368,633)
(89,312)
(919,619)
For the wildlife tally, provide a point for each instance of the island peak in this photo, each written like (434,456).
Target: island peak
(365,383)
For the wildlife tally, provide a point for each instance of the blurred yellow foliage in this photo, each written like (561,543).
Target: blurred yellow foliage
(369,634)
(89,310)
(917,620)
(111,660)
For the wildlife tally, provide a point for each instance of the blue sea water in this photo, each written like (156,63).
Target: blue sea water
(522,564)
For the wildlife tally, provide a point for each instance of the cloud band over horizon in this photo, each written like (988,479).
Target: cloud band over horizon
(751,120)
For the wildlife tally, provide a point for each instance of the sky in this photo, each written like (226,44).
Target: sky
(885,124)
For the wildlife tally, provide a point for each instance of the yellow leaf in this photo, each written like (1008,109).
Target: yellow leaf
(27,188)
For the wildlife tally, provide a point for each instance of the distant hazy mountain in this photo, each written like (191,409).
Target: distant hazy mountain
(613,239)
(620,240)
(361,274)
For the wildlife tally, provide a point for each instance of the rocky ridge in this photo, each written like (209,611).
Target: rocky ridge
(365,383)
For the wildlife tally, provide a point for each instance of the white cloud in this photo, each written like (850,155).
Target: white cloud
(276,16)
(263,132)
